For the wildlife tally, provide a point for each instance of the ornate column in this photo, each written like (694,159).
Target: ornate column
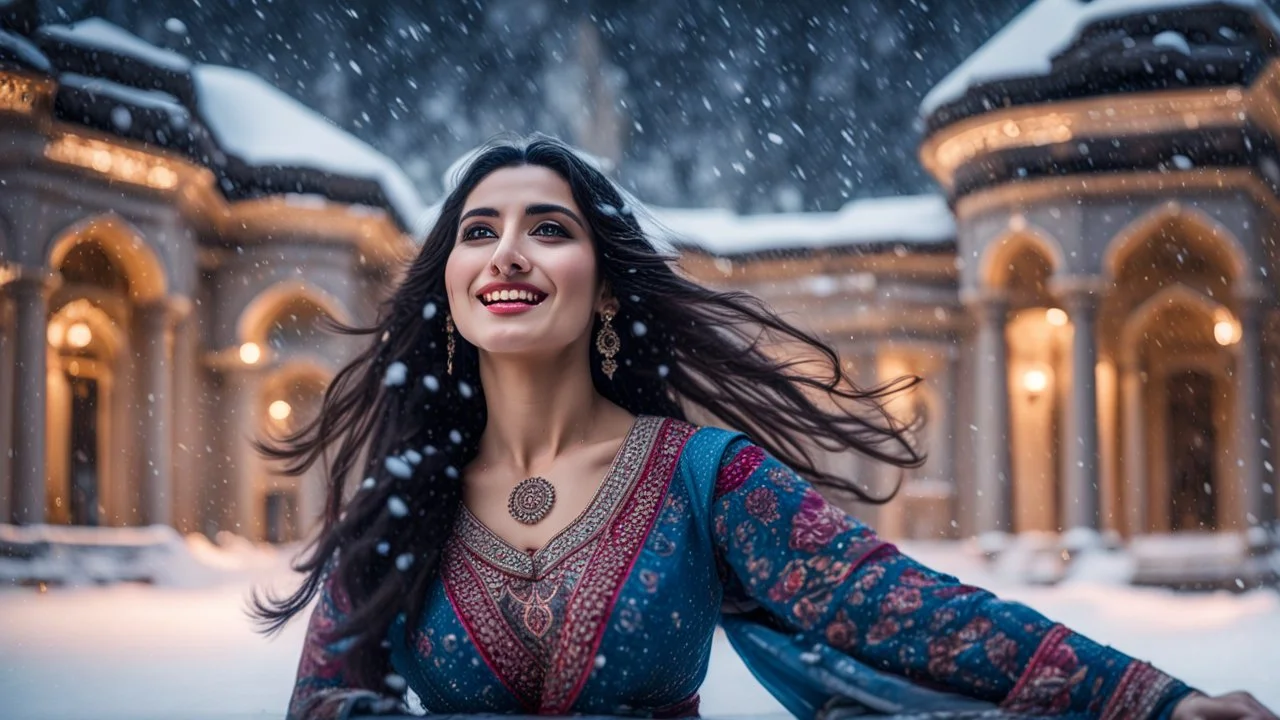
(232,500)
(28,292)
(6,408)
(1134,478)
(942,450)
(993,512)
(153,324)
(1251,446)
(187,473)
(1082,478)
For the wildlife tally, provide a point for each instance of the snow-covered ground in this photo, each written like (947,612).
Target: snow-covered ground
(130,651)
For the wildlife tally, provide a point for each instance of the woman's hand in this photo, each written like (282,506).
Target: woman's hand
(1232,706)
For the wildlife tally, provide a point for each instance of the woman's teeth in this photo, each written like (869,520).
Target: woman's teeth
(510,296)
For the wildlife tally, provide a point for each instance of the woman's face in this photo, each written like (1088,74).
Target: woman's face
(521,278)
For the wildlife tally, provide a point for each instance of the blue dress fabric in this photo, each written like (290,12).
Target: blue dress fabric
(616,614)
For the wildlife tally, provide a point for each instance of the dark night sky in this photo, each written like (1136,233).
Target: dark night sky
(757,106)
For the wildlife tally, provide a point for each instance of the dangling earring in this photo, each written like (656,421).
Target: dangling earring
(448,328)
(607,343)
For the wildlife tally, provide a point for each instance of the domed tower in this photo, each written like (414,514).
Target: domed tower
(1113,170)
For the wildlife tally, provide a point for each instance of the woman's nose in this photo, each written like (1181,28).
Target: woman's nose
(507,258)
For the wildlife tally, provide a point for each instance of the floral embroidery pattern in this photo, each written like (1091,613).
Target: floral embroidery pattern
(516,607)
(822,574)
(816,524)
(321,691)
(762,503)
(1054,671)
(602,579)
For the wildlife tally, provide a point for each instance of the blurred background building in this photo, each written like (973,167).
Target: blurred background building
(1089,297)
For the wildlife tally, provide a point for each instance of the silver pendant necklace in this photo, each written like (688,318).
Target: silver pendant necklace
(531,500)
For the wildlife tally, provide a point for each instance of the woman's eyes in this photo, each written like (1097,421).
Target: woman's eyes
(547,229)
(474,232)
(555,230)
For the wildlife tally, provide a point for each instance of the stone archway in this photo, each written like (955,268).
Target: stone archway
(1176,369)
(1014,274)
(87,483)
(123,244)
(282,324)
(290,397)
(113,285)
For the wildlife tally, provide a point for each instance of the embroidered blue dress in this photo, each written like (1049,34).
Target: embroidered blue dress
(616,614)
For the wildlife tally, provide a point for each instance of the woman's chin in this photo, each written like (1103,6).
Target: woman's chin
(516,345)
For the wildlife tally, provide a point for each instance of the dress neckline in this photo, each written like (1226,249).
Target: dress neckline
(625,467)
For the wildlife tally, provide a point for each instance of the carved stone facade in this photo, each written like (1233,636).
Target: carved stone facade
(1095,321)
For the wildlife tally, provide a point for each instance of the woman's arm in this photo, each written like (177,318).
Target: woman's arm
(322,690)
(828,577)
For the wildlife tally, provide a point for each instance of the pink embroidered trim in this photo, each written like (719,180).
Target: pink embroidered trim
(597,591)
(1028,691)
(684,708)
(1138,694)
(873,551)
(511,662)
(738,470)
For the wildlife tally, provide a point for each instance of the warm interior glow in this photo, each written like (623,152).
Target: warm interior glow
(1056,317)
(1035,381)
(279,410)
(1226,332)
(79,335)
(133,166)
(56,332)
(250,353)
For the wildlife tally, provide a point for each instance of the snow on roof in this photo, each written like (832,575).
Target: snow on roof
(1027,45)
(100,34)
(21,48)
(916,219)
(179,116)
(263,126)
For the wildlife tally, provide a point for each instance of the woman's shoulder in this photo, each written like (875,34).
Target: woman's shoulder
(708,447)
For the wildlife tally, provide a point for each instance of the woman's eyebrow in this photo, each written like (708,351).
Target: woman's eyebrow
(547,208)
(482,212)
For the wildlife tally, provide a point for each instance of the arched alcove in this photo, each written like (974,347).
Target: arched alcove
(1003,258)
(1019,267)
(1180,359)
(288,314)
(108,243)
(290,397)
(1175,243)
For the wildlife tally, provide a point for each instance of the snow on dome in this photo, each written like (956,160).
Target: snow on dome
(1027,46)
(263,126)
(920,219)
(22,49)
(101,35)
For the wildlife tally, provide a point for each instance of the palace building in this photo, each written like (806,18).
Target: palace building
(1091,298)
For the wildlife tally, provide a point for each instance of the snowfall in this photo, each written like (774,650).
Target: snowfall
(184,648)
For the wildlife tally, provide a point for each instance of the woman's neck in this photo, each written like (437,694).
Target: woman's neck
(538,408)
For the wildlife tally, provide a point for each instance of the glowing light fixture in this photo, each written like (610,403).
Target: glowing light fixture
(79,335)
(1225,328)
(250,353)
(56,333)
(279,410)
(1056,317)
(1035,381)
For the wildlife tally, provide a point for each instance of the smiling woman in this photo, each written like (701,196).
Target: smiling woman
(540,529)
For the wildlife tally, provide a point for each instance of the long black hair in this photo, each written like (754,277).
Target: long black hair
(405,443)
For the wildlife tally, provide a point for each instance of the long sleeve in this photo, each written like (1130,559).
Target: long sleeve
(830,579)
(322,690)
